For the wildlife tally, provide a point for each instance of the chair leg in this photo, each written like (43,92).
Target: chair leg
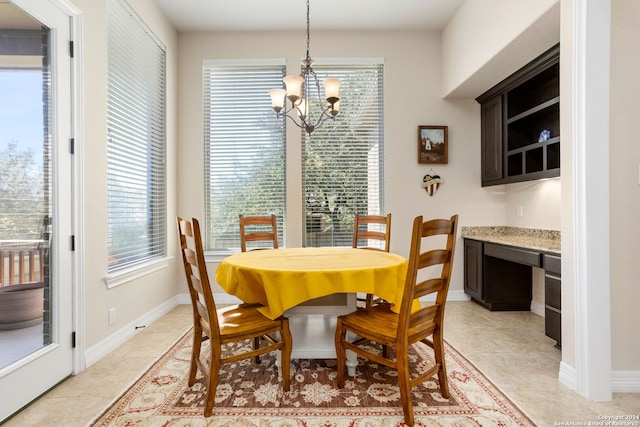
(195,355)
(438,348)
(404,383)
(369,300)
(286,354)
(341,356)
(256,345)
(214,371)
(385,351)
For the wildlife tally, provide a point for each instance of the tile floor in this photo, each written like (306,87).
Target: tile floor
(509,347)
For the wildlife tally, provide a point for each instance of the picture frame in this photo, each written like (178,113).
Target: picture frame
(433,145)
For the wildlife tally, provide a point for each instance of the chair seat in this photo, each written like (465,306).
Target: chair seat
(379,323)
(242,320)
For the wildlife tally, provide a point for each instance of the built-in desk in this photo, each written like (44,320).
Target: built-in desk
(497,269)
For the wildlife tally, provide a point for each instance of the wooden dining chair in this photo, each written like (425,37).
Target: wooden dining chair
(260,229)
(363,235)
(399,331)
(224,325)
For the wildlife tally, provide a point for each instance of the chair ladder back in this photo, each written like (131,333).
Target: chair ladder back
(429,286)
(197,278)
(426,260)
(438,226)
(361,231)
(424,315)
(258,229)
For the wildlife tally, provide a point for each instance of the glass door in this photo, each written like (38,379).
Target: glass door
(35,201)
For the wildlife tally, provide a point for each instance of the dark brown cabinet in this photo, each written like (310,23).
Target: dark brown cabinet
(473,268)
(552,294)
(514,114)
(499,278)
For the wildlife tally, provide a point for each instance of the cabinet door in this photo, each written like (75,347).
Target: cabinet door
(491,117)
(473,268)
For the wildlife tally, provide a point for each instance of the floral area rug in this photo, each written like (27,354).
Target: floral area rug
(250,394)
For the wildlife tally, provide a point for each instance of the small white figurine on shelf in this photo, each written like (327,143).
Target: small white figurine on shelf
(431,183)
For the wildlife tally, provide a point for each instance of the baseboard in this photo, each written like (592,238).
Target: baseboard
(625,381)
(567,375)
(537,308)
(621,381)
(113,341)
(452,296)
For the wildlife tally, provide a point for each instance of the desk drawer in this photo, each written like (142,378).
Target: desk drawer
(520,256)
(553,325)
(552,292)
(552,264)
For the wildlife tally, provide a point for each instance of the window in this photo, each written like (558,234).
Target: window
(244,150)
(136,177)
(342,165)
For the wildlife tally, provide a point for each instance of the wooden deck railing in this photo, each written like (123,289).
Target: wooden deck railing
(21,261)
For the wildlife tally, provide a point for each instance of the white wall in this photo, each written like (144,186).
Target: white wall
(624,185)
(540,202)
(136,298)
(412,98)
(487,40)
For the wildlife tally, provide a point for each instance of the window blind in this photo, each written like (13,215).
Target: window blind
(136,177)
(244,150)
(343,160)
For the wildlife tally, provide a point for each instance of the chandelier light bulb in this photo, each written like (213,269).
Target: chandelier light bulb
(301,108)
(294,87)
(332,90)
(277,99)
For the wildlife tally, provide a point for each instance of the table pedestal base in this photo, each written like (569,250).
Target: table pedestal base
(313,328)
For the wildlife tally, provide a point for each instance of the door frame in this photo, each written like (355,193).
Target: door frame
(77,192)
(77,181)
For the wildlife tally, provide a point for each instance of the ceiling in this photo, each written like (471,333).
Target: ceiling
(325,15)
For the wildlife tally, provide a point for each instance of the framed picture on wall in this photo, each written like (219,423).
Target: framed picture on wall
(433,146)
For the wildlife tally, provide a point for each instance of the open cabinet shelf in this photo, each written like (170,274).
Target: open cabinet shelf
(514,114)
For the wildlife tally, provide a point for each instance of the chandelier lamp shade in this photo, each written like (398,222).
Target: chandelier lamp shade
(305,112)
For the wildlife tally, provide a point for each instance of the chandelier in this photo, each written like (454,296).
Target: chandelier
(309,114)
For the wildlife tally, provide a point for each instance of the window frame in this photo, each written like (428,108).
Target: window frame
(294,139)
(151,141)
(248,65)
(350,65)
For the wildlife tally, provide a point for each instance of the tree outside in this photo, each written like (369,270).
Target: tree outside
(23,209)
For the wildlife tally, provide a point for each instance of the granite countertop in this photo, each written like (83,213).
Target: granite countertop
(529,238)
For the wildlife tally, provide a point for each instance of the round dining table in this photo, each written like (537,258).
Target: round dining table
(280,279)
(298,281)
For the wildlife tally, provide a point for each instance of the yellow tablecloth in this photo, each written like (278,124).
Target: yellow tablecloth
(283,278)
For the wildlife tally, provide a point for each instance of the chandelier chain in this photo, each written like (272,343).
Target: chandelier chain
(308,32)
(298,92)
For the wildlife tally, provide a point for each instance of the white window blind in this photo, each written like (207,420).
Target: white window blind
(343,160)
(244,150)
(136,177)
